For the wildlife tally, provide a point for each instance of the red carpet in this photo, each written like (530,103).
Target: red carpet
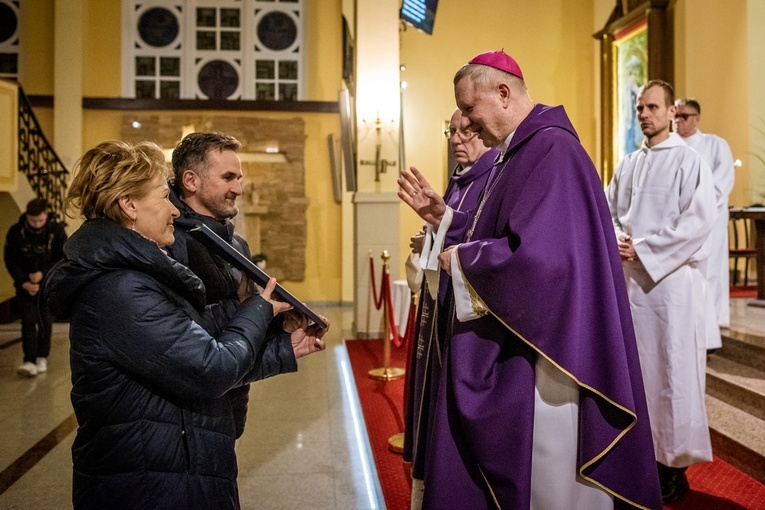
(717,485)
(383,406)
(749,291)
(714,485)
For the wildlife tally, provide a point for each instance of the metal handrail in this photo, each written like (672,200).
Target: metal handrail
(38,160)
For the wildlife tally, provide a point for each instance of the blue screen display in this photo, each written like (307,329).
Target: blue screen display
(419,13)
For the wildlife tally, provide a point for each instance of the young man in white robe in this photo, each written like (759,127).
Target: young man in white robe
(716,152)
(663,207)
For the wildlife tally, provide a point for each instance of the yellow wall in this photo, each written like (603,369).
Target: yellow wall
(755,106)
(103,49)
(550,39)
(711,65)
(323,62)
(10,215)
(36,59)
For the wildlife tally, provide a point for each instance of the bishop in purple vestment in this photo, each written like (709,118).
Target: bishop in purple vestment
(540,324)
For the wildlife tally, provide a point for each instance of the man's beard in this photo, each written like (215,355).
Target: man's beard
(222,210)
(226,213)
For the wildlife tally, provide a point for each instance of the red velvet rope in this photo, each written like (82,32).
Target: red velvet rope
(397,340)
(377,301)
(385,296)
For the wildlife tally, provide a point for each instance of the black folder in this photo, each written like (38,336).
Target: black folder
(236,259)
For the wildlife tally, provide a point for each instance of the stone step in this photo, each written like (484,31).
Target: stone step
(745,348)
(738,437)
(737,384)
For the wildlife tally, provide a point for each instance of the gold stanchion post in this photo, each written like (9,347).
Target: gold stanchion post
(386,372)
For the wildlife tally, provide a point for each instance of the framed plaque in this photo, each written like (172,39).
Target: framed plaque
(240,261)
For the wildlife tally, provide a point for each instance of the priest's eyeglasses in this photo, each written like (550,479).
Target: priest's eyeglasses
(463,134)
(685,116)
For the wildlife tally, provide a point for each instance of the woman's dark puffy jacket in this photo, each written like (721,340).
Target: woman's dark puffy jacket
(156,429)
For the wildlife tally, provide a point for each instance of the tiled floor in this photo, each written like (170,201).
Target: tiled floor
(304,445)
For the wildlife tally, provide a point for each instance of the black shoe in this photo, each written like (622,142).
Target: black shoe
(674,484)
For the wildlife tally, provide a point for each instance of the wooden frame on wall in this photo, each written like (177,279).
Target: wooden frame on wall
(636,45)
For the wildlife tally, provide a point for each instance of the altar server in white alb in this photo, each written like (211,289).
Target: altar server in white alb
(662,204)
(717,155)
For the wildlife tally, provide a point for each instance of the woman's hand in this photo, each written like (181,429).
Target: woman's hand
(279,306)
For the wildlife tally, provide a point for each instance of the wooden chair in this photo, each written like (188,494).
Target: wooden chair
(741,246)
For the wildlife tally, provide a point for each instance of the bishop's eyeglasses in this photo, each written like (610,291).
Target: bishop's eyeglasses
(463,134)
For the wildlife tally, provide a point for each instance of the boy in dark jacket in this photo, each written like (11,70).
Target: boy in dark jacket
(32,247)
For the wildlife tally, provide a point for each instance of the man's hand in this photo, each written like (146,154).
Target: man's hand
(31,288)
(445,258)
(279,306)
(417,241)
(419,195)
(626,249)
(245,289)
(294,320)
(36,277)
(309,340)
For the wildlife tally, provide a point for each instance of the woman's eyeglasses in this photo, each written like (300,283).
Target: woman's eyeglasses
(463,134)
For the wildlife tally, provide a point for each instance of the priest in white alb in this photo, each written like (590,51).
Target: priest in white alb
(716,152)
(662,205)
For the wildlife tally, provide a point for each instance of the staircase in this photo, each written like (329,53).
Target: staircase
(735,396)
(38,161)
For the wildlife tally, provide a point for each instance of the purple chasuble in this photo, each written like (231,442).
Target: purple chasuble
(542,255)
(425,356)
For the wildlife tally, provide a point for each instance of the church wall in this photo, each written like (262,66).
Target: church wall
(322,253)
(10,215)
(102,51)
(36,58)
(550,39)
(755,105)
(711,65)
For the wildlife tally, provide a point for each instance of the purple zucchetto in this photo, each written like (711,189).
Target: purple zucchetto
(498,60)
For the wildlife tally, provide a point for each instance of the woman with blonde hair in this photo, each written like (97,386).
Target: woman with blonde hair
(150,386)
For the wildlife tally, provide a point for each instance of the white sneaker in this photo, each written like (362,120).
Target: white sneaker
(42,365)
(28,369)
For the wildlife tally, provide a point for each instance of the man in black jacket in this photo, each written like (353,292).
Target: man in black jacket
(208,175)
(32,247)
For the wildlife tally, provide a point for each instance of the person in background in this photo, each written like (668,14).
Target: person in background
(716,153)
(32,247)
(540,402)
(663,207)
(149,383)
(474,162)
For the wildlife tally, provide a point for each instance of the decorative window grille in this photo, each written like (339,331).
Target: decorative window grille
(9,39)
(213,49)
